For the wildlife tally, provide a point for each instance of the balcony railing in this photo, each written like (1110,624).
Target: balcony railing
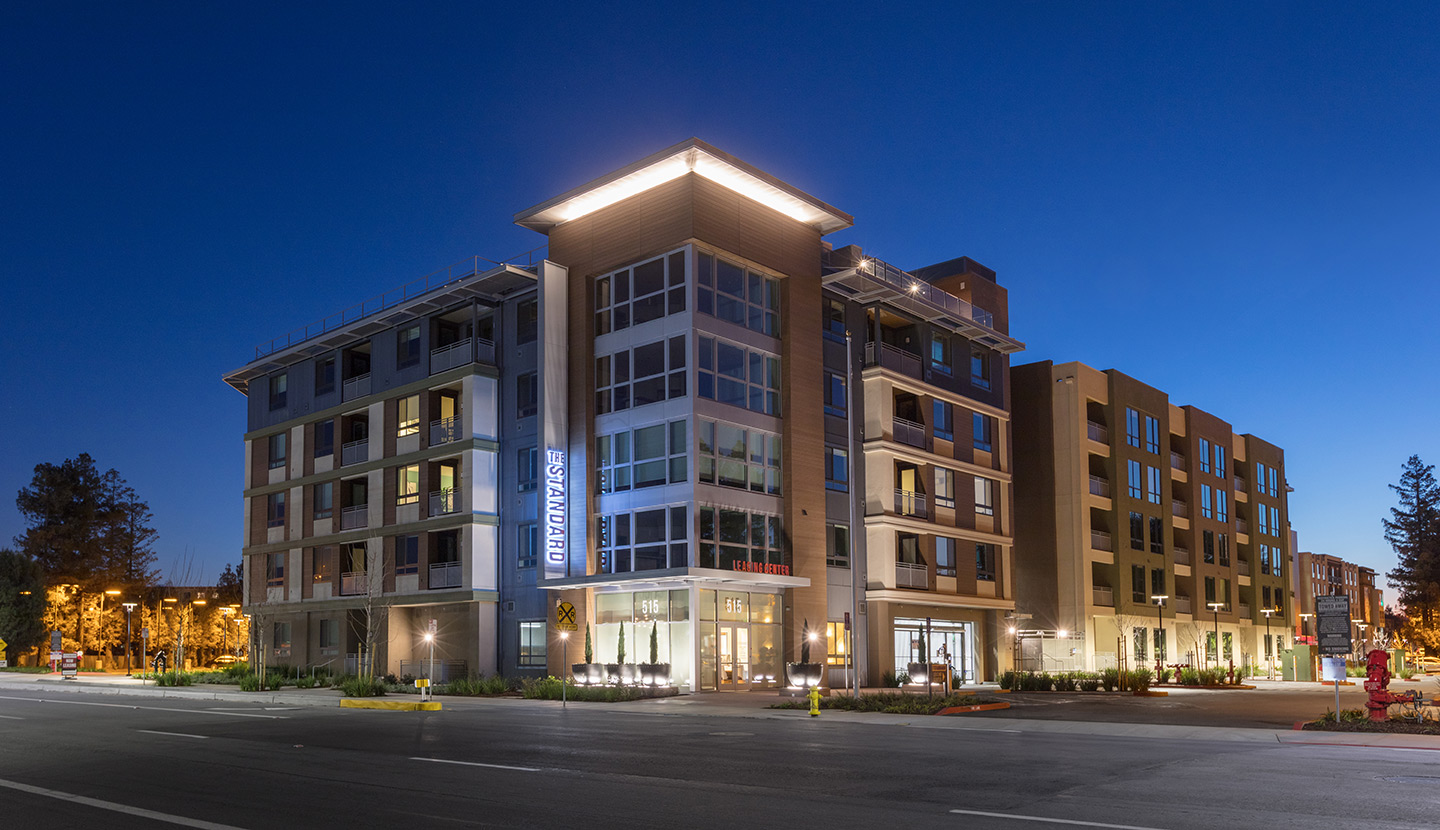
(356,387)
(352,518)
(1099,487)
(911,503)
(908,575)
(1240,485)
(1244,567)
(1182,556)
(1180,508)
(353,583)
(444,431)
(1097,432)
(1243,609)
(893,357)
(444,501)
(1242,526)
(1100,540)
(355,452)
(1104,596)
(1182,604)
(445,575)
(909,432)
(1177,460)
(458,353)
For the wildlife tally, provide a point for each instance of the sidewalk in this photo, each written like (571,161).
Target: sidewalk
(119,684)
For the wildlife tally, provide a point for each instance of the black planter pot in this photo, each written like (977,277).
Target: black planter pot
(803,675)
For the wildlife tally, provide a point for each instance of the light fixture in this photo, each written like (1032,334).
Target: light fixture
(1063,633)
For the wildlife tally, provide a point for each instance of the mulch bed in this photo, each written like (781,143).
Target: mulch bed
(1382,727)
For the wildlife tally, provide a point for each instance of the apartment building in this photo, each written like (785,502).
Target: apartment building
(1318,574)
(657,420)
(1148,531)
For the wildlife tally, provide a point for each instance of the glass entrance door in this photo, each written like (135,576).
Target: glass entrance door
(734,657)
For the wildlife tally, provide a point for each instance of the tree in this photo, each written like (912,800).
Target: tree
(1413,531)
(22,601)
(230,586)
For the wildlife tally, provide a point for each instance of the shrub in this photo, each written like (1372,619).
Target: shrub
(1139,679)
(305,682)
(250,683)
(1089,684)
(175,678)
(1110,679)
(1188,676)
(1066,682)
(1007,679)
(1164,675)
(548,688)
(362,686)
(475,685)
(1407,673)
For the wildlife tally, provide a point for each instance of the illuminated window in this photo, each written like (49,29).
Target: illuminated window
(739,376)
(835,639)
(944,487)
(275,570)
(408,418)
(407,485)
(532,643)
(646,374)
(984,496)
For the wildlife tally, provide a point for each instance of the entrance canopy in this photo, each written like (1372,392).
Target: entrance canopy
(672,578)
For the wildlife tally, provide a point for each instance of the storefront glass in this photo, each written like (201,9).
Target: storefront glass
(949,642)
(665,614)
(739,639)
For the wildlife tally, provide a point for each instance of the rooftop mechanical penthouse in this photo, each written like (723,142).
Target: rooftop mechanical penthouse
(689,416)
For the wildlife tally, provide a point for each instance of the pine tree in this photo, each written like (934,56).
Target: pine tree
(1414,532)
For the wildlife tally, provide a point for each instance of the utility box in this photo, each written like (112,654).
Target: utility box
(1397,661)
(1298,663)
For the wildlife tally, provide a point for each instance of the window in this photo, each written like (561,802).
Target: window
(532,643)
(1260,478)
(1157,537)
(1229,640)
(1157,582)
(984,496)
(1274,491)
(1137,583)
(1222,541)
(1141,637)
(1152,484)
(527,394)
(1204,455)
(527,471)
(1133,481)
(980,369)
(1206,509)
(1264,517)
(944,556)
(984,562)
(837,546)
(1160,651)
(981,428)
(1219,461)
(1207,537)
(835,636)
(325,376)
(944,487)
(650,456)
(281,641)
(324,499)
(645,292)
(730,536)
(278,385)
(739,376)
(1222,505)
(837,473)
(636,377)
(275,570)
(407,484)
(525,550)
(742,297)
(1209,590)
(322,563)
(637,541)
(329,634)
(1274,521)
(944,419)
(1152,434)
(407,347)
(940,352)
(407,554)
(275,509)
(527,320)
(1137,531)
(324,438)
(834,394)
(833,324)
(1132,427)
(1225,592)
(1264,560)
(277,450)
(407,419)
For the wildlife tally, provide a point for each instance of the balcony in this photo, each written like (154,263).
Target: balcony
(1182,605)
(1177,461)
(1244,610)
(1240,485)
(911,503)
(1244,567)
(1099,487)
(1104,596)
(353,518)
(1097,432)
(448,357)
(353,583)
(909,432)
(355,452)
(1242,526)
(908,575)
(892,357)
(444,501)
(444,431)
(1182,556)
(1180,508)
(444,575)
(356,387)
(1100,540)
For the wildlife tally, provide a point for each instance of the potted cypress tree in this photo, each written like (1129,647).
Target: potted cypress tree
(920,672)
(655,673)
(612,670)
(588,673)
(629,672)
(804,674)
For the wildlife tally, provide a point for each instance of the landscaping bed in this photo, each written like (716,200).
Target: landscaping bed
(894,703)
(1356,720)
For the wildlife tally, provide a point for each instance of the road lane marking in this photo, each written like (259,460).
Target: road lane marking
(476,764)
(173,734)
(148,708)
(1048,820)
(10,717)
(117,808)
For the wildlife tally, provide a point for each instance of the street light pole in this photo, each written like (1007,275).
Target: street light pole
(129,606)
(1215,652)
(1269,655)
(1160,627)
(565,661)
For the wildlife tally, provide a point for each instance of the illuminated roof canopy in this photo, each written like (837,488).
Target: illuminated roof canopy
(690,156)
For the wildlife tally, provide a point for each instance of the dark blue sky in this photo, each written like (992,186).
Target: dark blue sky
(1237,204)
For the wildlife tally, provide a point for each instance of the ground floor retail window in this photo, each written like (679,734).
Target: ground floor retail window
(629,621)
(740,640)
(948,642)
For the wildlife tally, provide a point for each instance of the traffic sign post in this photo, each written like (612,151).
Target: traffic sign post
(565,622)
(4,664)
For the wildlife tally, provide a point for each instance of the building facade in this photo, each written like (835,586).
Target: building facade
(1319,574)
(658,422)
(1149,532)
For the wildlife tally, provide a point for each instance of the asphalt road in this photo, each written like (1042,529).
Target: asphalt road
(106,761)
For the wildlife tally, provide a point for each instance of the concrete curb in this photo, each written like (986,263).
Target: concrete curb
(979,707)
(173,693)
(389,705)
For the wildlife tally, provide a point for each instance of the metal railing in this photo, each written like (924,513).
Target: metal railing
(353,583)
(1182,556)
(1179,508)
(1104,596)
(1243,609)
(444,575)
(352,518)
(1182,604)
(909,432)
(1240,485)
(1099,487)
(355,452)
(458,353)
(1097,432)
(1242,526)
(1177,460)
(1243,566)
(444,501)
(409,291)
(893,357)
(911,503)
(444,431)
(915,287)
(356,387)
(908,575)
(1100,540)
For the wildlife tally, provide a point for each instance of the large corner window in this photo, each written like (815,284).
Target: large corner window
(732,456)
(643,375)
(647,291)
(739,376)
(644,540)
(647,456)
(729,538)
(734,294)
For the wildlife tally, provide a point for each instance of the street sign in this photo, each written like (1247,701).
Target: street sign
(1332,624)
(433,628)
(145,633)
(847,620)
(55,641)
(3,644)
(69,664)
(565,617)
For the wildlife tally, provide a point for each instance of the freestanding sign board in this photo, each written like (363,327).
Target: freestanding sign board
(69,664)
(1332,624)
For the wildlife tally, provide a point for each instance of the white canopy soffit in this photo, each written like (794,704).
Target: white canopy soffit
(690,156)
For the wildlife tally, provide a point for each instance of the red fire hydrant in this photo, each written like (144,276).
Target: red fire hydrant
(1377,682)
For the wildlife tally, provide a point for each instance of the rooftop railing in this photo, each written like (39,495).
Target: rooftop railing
(914,286)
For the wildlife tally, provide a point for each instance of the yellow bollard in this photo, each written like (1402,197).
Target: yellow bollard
(814,702)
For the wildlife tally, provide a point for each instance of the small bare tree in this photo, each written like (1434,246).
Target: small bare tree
(1187,638)
(374,608)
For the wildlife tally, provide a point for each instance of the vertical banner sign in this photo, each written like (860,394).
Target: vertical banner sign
(553,362)
(555,515)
